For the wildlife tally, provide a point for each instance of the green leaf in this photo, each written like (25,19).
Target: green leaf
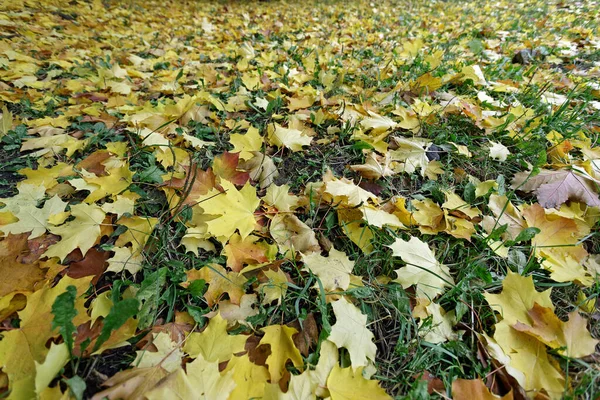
(469,193)
(64,311)
(527,234)
(77,386)
(197,287)
(149,295)
(118,315)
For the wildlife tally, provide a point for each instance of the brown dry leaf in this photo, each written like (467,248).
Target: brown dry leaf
(93,264)
(475,389)
(196,183)
(17,276)
(308,333)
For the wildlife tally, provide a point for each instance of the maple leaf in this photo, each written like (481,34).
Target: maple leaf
(46,176)
(442,322)
(293,235)
(168,354)
(93,264)
(347,384)
(279,337)
(138,232)
(233,209)
(28,197)
(507,214)
(117,180)
(328,358)
(411,153)
(573,335)
(457,205)
(122,204)
(557,244)
(333,271)
(554,188)
(375,166)
(280,198)
(225,166)
(468,389)
(250,378)
(80,233)
(214,344)
(346,192)
(247,251)
(555,230)
(219,281)
(352,226)
(246,144)
(276,286)
(422,269)
(293,139)
(132,384)
(150,368)
(235,313)
(202,381)
(518,296)
(528,361)
(300,387)
(377,123)
(262,169)
(196,183)
(17,275)
(350,331)
(55,360)
(22,347)
(123,259)
(379,218)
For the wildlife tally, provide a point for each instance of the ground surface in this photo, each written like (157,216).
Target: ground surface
(292,200)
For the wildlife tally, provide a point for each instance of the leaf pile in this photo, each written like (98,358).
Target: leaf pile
(299,200)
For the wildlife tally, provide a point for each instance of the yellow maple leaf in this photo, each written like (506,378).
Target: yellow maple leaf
(219,281)
(422,269)
(276,286)
(202,381)
(233,209)
(344,191)
(22,347)
(279,337)
(333,271)
(293,139)
(293,235)
(528,356)
(350,331)
(572,335)
(247,143)
(81,233)
(517,297)
(250,378)
(117,180)
(468,389)
(347,384)
(138,232)
(279,197)
(214,344)
(34,220)
(46,176)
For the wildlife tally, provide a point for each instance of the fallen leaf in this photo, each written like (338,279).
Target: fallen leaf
(350,331)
